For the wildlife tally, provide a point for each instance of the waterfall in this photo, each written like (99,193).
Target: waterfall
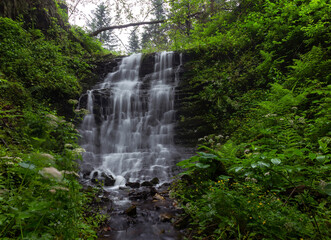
(129,130)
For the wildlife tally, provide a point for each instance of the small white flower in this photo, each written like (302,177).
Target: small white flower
(323,184)
(70,173)
(61,188)
(253,180)
(51,172)
(52,191)
(73,101)
(78,151)
(52,124)
(46,155)
(301,120)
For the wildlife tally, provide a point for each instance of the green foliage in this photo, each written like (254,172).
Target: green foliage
(40,72)
(36,205)
(260,88)
(37,65)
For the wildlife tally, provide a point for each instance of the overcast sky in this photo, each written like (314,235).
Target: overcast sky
(122,34)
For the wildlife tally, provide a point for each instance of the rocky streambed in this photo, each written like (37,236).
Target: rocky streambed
(138,211)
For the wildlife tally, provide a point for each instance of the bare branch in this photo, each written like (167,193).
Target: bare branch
(124,26)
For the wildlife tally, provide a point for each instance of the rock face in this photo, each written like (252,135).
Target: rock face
(36,13)
(190,112)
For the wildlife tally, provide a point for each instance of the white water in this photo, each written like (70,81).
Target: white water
(133,140)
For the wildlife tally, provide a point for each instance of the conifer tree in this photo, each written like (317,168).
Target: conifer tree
(133,41)
(154,34)
(101,18)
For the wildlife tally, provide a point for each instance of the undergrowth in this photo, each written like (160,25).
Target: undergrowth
(260,86)
(40,196)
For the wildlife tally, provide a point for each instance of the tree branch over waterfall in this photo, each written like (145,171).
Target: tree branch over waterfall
(95,33)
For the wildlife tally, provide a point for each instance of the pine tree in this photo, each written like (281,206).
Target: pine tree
(101,18)
(154,34)
(133,42)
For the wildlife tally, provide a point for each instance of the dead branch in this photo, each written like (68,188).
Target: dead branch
(124,26)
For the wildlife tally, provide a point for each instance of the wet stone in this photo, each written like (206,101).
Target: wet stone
(166,217)
(133,184)
(155,181)
(131,211)
(142,195)
(153,191)
(147,184)
(109,181)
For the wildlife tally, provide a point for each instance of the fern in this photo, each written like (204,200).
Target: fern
(288,137)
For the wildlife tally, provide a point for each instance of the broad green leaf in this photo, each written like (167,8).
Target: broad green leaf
(223,177)
(321,158)
(276,161)
(201,165)
(27,165)
(312,156)
(237,169)
(207,155)
(263,164)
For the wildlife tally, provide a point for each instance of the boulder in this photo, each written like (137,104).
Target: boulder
(155,181)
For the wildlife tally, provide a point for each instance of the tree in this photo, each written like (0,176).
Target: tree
(101,18)
(155,34)
(133,41)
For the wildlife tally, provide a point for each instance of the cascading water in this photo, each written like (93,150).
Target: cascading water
(128,137)
(129,130)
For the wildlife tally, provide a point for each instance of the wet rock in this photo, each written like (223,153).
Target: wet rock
(158,197)
(143,195)
(147,184)
(165,185)
(166,217)
(133,184)
(131,211)
(105,179)
(109,181)
(153,191)
(105,199)
(95,177)
(86,175)
(155,181)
